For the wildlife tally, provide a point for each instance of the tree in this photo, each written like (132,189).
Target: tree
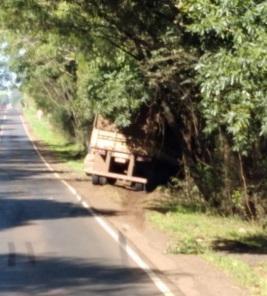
(193,73)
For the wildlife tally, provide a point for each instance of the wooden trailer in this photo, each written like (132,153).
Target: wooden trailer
(110,157)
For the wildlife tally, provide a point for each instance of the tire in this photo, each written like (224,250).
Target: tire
(95,180)
(103,180)
(138,187)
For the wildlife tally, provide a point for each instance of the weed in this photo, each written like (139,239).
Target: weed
(59,144)
(217,239)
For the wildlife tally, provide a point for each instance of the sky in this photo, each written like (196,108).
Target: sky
(7,77)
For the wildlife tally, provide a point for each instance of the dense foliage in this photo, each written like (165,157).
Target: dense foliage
(193,72)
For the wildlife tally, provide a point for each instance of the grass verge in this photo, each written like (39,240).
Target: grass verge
(219,240)
(65,150)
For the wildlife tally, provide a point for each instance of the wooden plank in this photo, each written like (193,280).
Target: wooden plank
(111,150)
(108,160)
(131,166)
(127,154)
(119,176)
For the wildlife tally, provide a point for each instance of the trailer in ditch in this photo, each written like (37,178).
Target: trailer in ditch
(111,157)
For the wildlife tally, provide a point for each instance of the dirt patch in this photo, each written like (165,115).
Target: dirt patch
(126,210)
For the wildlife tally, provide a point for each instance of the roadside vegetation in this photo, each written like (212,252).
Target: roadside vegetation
(54,140)
(189,74)
(220,240)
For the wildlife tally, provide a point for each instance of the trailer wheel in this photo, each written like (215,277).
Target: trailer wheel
(95,180)
(138,186)
(103,180)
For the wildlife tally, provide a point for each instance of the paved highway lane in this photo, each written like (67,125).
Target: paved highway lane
(49,244)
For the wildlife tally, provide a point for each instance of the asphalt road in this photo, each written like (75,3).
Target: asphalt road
(50,244)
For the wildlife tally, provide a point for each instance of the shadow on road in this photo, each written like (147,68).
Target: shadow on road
(21,212)
(70,276)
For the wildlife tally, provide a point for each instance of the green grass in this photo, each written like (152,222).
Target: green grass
(65,150)
(241,272)
(210,231)
(218,240)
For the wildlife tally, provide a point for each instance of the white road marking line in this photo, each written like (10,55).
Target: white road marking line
(79,198)
(115,234)
(1,127)
(85,204)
